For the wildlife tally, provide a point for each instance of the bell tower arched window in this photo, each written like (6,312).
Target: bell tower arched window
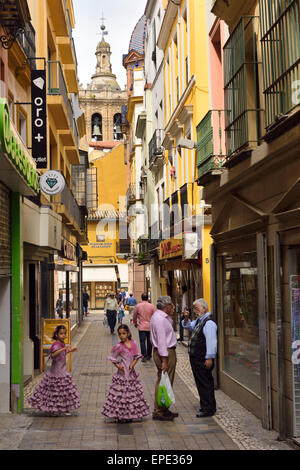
(118,135)
(97,134)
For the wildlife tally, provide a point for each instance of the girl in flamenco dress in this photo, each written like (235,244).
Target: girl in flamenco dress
(125,399)
(56,394)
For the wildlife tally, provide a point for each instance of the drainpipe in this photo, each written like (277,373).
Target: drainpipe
(279,335)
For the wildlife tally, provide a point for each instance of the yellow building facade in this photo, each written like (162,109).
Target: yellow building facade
(183,39)
(106,267)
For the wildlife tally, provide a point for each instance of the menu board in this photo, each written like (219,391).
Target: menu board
(48,328)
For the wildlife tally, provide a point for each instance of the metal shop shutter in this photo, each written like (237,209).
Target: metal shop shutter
(5,230)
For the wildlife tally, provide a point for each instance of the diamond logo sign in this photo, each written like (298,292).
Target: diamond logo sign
(39,82)
(52,182)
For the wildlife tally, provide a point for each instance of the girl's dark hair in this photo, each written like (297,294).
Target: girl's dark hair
(57,329)
(125,327)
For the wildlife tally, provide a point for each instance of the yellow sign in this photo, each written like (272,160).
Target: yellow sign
(48,328)
(170,248)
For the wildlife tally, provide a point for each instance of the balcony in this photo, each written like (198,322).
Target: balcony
(58,12)
(280,40)
(62,110)
(68,56)
(20,51)
(131,194)
(14,15)
(123,248)
(27,42)
(72,215)
(241,78)
(211,150)
(156,150)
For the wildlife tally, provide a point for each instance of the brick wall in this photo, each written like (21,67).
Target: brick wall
(5,243)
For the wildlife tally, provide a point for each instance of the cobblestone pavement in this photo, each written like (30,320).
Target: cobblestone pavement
(232,428)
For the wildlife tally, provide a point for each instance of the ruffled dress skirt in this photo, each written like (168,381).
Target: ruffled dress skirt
(125,398)
(55,394)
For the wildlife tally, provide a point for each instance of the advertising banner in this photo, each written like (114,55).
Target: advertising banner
(48,328)
(39,118)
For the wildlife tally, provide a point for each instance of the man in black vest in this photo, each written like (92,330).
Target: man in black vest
(202,352)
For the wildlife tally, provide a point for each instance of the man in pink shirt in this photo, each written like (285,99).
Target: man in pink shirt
(164,343)
(141,320)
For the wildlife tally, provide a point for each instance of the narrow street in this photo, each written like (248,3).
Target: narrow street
(232,428)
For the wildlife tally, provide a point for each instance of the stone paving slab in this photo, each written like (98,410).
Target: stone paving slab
(89,429)
(232,428)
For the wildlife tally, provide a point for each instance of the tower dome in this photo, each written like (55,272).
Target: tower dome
(103,78)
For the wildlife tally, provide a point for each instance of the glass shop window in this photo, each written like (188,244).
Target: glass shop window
(240,320)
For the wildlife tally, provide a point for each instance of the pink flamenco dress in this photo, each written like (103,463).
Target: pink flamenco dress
(56,393)
(125,399)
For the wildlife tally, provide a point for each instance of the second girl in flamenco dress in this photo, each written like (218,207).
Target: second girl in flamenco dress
(125,399)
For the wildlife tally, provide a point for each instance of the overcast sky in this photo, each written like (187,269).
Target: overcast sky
(120,16)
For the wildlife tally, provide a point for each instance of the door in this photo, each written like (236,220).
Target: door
(294,286)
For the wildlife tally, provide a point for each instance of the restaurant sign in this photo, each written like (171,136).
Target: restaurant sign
(170,248)
(16,151)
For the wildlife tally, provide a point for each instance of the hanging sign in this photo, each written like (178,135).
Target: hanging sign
(39,118)
(52,182)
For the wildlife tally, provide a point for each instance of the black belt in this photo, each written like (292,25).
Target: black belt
(173,347)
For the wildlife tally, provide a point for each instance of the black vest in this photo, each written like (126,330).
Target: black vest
(197,345)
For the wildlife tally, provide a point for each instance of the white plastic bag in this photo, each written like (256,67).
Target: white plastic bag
(165,394)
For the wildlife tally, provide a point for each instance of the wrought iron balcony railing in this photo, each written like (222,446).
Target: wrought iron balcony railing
(155,146)
(280,39)
(78,214)
(27,41)
(241,79)
(211,149)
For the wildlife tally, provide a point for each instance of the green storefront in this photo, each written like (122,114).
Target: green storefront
(18,178)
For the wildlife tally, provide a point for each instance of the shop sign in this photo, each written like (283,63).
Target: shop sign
(191,245)
(52,182)
(170,248)
(13,147)
(39,118)
(69,250)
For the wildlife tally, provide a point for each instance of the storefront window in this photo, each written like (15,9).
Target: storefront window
(240,320)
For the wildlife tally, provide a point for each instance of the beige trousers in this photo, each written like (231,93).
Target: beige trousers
(172,360)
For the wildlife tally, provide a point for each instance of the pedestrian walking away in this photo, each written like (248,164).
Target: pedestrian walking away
(59,307)
(125,399)
(202,353)
(56,394)
(121,312)
(131,302)
(164,343)
(141,320)
(110,310)
(85,303)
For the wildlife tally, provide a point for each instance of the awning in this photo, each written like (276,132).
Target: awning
(123,271)
(102,274)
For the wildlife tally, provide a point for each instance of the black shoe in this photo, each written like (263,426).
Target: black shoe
(204,414)
(163,417)
(170,413)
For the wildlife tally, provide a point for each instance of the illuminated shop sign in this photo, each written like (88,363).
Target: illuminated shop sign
(13,147)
